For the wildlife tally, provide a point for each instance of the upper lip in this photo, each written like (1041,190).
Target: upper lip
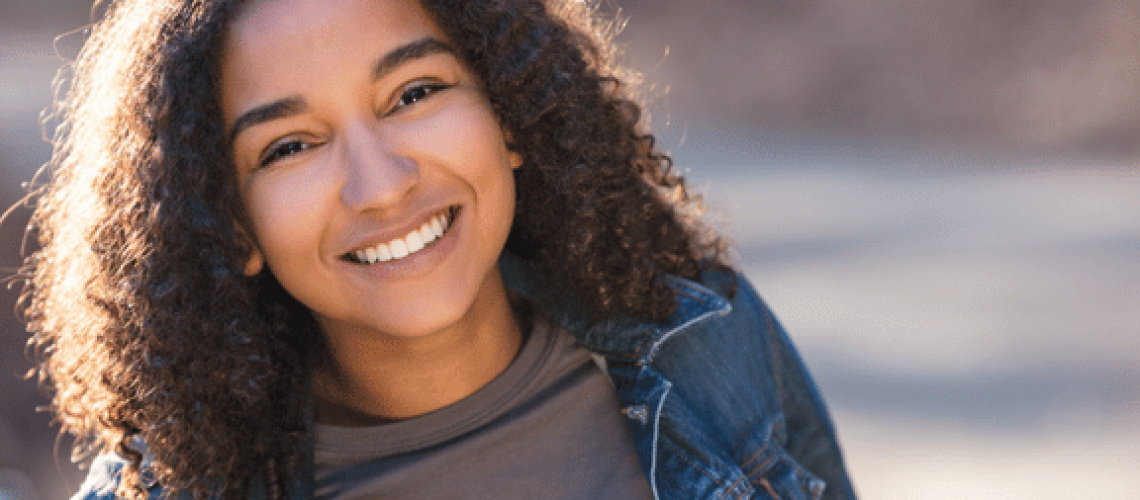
(398,230)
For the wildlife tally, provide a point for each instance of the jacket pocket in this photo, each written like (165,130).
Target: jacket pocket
(776,475)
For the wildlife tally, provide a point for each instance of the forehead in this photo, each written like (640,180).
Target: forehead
(260,22)
(278,48)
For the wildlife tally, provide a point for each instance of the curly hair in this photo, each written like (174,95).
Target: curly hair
(146,326)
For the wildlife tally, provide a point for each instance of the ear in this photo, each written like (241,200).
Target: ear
(255,263)
(514,157)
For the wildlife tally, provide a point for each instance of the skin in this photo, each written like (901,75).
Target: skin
(333,156)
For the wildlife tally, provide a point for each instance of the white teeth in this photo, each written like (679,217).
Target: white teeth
(383,252)
(409,244)
(399,249)
(437,226)
(427,234)
(414,241)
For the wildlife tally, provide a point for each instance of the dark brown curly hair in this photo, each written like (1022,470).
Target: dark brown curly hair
(145,325)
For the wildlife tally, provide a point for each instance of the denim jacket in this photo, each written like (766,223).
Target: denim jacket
(719,404)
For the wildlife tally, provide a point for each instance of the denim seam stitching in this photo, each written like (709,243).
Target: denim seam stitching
(767,485)
(700,469)
(656,435)
(656,346)
(732,488)
(772,431)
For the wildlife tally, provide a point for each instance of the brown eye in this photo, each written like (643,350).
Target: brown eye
(418,93)
(284,150)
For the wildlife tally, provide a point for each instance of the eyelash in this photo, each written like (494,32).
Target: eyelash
(411,95)
(282,150)
(423,91)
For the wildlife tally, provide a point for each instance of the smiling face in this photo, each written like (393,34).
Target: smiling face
(375,174)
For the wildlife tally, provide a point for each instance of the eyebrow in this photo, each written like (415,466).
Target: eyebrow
(295,105)
(283,108)
(408,52)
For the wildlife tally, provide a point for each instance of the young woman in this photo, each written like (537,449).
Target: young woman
(395,249)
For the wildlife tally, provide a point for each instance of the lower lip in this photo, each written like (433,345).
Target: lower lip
(419,263)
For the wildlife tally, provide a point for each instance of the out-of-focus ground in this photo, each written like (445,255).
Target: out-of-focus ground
(938,199)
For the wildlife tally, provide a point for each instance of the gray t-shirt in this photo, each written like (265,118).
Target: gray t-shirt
(549,426)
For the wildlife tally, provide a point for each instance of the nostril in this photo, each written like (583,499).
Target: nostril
(376,178)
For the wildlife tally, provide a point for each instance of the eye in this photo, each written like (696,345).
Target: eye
(283,150)
(416,93)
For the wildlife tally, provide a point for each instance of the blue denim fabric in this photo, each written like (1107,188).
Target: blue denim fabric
(719,404)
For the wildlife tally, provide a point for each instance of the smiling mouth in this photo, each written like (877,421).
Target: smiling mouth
(415,241)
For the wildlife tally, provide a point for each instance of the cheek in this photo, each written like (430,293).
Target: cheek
(485,163)
(285,212)
(467,138)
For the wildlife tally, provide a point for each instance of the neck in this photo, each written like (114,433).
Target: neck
(370,378)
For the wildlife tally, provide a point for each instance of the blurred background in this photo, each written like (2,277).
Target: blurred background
(939,198)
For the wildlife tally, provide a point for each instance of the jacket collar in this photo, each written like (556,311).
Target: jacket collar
(622,338)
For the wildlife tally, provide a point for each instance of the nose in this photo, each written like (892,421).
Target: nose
(377,174)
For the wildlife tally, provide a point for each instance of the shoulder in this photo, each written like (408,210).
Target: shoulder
(102,478)
(105,474)
(728,365)
(740,357)
(740,366)
(744,330)
(754,390)
(746,304)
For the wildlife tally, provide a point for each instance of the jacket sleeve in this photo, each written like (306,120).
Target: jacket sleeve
(102,479)
(811,435)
